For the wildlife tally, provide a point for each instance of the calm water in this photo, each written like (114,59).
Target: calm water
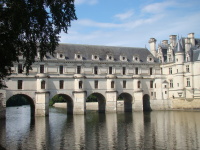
(155,130)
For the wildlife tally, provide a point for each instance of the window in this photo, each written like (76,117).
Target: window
(20,68)
(43,84)
(78,69)
(112,84)
(171,83)
(165,86)
(136,70)
(151,93)
(80,84)
(155,85)
(95,70)
(19,84)
(188,82)
(161,70)
(150,71)
(110,70)
(124,70)
(187,68)
(61,84)
(41,68)
(151,84)
(177,70)
(96,84)
(165,92)
(124,84)
(170,70)
(61,69)
(138,84)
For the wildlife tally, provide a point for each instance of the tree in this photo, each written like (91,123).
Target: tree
(31,26)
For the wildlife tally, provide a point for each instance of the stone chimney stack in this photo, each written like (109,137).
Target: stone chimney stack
(187,44)
(172,39)
(152,44)
(165,42)
(192,40)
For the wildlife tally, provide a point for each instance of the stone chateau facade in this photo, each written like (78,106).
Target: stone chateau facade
(165,77)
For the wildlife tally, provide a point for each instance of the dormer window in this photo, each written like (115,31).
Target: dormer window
(78,56)
(60,55)
(123,58)
(136,58)
(95,57)
(150,59)
(110,57)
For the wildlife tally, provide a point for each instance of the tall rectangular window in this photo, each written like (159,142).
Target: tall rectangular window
(41,68)
(20,68)
(19,84)
(110,70)
(61,84)
(171,83)
(95,70)
(151,84)
(78,69)
(150,71)
(170,70)
(188,82)
(96,84)
(138,84)
(124,70)
(187,68)
(61,69)
(112,84)
(136,70)
(124,84)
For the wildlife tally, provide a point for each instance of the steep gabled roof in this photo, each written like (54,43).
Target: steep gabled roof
(69,50)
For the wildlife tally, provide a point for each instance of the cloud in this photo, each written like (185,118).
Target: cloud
(90,2)
(125,15)
(157,7)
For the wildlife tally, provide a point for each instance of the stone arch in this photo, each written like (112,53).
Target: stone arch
(146,103)
(100,98)
(29,99)
(69,102)
(127,102)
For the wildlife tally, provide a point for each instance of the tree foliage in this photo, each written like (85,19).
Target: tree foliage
(57,98)
(17,100)
(31,26)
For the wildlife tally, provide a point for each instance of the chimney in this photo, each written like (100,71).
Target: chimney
(152,44)
(172,39)
(192,40)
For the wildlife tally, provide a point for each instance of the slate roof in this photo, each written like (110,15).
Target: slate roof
(69,50)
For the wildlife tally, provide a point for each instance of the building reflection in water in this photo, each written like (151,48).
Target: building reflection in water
(137,130)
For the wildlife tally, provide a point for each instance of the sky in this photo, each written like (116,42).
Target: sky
(131,23)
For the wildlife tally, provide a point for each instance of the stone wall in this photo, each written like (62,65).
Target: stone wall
(185,104)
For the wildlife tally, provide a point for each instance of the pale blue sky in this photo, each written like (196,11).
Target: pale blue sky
(132,22)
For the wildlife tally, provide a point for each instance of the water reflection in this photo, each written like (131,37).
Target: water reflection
(137,130)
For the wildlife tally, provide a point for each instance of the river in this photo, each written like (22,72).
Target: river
(137,130)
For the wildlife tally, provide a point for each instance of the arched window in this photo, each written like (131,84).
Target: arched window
(138,84)
(43,84)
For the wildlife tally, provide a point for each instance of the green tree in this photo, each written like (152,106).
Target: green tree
(31,26)
(57,98)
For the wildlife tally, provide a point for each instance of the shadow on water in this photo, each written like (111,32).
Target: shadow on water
(2,134)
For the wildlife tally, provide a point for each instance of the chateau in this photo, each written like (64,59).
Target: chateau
(165,77)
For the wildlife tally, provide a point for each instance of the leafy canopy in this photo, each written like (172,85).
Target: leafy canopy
(28,26)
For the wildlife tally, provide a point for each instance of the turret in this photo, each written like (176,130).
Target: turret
(152,44)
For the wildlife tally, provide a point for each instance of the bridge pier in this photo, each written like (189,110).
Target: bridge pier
(79,102)
(111,101)
(42,103)
(2,104)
